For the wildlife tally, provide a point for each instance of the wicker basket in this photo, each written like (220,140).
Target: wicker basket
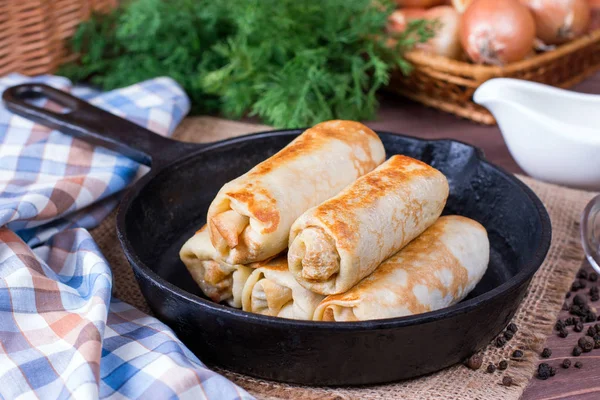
(33,33)
(449,85)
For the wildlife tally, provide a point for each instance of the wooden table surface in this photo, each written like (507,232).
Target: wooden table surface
(404,116)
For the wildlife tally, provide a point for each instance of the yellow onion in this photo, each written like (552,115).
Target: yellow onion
(559,21)
(446,41)
(461,5)
(497,31)
(419,3)
(399,19)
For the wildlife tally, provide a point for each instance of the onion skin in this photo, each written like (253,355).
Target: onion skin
(419,3)
(594,15)
(559,21)
(446,42)
(460,5)
(497,31)
(399,19)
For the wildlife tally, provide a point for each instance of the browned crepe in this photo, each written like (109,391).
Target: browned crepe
(272,290)
(436,270)
(250,218)
(218,280)
(337,243)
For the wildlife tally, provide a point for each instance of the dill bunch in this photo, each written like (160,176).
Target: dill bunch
(291,62)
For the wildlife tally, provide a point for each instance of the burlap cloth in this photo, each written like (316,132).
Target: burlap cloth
(535,317)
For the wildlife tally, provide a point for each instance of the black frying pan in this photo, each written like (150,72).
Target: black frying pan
(164,208)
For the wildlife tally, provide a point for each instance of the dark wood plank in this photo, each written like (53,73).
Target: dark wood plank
(404,116)
(401,115)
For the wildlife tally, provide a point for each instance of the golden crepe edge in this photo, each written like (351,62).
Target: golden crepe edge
(218,280)
(272,290)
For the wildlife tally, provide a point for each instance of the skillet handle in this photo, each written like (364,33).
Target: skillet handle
(89,123)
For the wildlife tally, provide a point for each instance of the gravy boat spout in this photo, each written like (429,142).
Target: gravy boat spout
(553,134)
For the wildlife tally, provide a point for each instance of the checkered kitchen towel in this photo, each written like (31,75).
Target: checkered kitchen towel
(61,334)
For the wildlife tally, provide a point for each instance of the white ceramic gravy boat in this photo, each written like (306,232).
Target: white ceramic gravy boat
(553,134)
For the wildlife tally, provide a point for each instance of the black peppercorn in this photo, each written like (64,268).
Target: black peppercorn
(595,297)
(575,286)
(560,324)
(591,331)
(512,327)
(578,327)
(594,289)
(507,381)
(582,274)
(568,295)
(563,333)
(500,341)
(592,277)
(570,321)
(474,362)
(546,353)
(491,368)
(597,342)
(580,310)
(517,354)
(579,300)
(578,364)
(590,317)
(545,371)
(502,365)
(575,309)
(586,343)
(508,335)
(566,363)
(577,351)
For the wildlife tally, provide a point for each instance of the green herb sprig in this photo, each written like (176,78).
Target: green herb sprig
(290,62)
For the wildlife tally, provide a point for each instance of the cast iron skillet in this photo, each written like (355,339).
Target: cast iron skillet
(165,207)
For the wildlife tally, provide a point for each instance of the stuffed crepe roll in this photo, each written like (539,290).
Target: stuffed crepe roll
(337,243)
(436,270)
(272,290)
(250,218)
(218,280)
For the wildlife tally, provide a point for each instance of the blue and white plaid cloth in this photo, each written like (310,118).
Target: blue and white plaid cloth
(62,336)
